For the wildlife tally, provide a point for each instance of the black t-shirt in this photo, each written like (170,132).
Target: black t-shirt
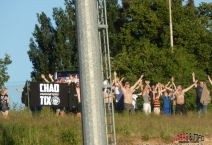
(198,93)
(151,96)
(73,99)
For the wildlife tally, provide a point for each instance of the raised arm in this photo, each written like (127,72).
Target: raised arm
(172,79)
(19,90)
(161,90)
(209,79)
(115,77)
(185,90)
(193,78)
(138,81)
(147,82)
(44,78)
(168,88)
(141,85)
(51,77)
(120,83)
(167,84)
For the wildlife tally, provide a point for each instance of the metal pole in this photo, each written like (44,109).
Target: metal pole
(173,100)
(27,87)
(93,119)
(170,25)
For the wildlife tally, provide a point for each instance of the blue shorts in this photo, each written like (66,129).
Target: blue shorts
(167,111)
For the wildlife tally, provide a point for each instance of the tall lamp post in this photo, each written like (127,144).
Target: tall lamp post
(171,44)
(170,25)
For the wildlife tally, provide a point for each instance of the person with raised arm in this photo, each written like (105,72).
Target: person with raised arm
(151,93)
(118,94)
(157,93)
(128,92)
(180,98)
(200,95)
(167,108)
(24,96)
(146,98)
(172,88)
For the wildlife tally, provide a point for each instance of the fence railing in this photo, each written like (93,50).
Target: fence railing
(14,95)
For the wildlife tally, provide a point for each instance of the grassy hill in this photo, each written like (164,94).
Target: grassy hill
(23,128)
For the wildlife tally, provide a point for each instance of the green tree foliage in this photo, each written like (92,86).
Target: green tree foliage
(139,37)
(190,3)
(4,77)
(145,43)
(54,48)
(204,12)
(114,25)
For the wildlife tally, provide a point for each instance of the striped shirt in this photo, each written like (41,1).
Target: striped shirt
(156,103)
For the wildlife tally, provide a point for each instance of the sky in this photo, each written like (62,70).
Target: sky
(17,22)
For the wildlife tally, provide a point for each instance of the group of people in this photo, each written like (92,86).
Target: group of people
(172,96)
(74,95)
(74,92)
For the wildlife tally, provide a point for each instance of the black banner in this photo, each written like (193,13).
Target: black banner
(49,94)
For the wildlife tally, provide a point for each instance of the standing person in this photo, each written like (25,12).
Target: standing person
(5,103)
(26,93)
(156,97)
(168,96)
(151,94)
(180,98)
(167,103)
(24,96)
(119,98)
(147,100)
(118,94)
(156,101)
(128,91)
(73,97)
(200,95)
(79,108)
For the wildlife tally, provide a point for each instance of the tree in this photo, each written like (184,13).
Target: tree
(114,24)
(190,3)
(54,48)
(4,77)
(145,44)
(204,13)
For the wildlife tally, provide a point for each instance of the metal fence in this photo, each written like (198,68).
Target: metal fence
(14,95)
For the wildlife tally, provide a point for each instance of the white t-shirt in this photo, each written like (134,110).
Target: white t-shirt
(118,97)
(134,97)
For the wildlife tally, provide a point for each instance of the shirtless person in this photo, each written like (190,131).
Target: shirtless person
(180,98)
(128,92)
